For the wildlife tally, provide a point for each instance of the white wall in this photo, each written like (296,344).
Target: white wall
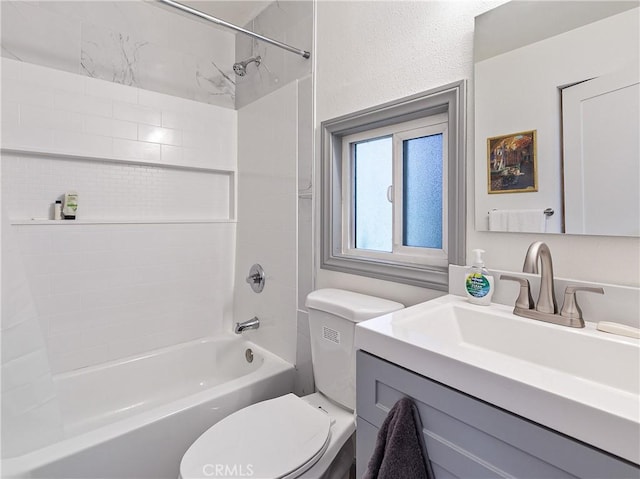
(134,43)
(372,52)
(149,260)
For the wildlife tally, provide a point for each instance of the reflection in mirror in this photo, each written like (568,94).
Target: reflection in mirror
(567,71)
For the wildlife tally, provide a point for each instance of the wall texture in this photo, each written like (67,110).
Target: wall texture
(372,52)
(133,43)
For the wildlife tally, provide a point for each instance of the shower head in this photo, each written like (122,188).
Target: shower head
(240,68)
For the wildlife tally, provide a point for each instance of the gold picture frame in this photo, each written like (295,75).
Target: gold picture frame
(512,163)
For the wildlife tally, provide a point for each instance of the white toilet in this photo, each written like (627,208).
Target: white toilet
(289,436)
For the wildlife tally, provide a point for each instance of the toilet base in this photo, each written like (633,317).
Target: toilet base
(336,462)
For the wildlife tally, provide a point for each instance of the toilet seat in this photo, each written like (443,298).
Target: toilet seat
(279,438)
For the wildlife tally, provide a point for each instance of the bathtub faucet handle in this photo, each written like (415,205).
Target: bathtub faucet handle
(253,323)
(256,278)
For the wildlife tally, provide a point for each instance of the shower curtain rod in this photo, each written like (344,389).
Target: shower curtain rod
(198,13)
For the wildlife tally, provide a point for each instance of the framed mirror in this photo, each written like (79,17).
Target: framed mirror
(557,116)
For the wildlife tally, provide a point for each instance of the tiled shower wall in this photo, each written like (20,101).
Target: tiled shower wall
(149,261)
(275,114)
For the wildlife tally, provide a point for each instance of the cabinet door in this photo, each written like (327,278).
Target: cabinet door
(468,438)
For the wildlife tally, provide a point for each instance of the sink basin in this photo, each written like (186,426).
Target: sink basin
(586,353)
(582,382)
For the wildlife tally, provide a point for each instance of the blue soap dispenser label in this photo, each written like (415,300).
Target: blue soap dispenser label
(477,285)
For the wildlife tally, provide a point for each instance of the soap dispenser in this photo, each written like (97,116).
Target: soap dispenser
(478,284)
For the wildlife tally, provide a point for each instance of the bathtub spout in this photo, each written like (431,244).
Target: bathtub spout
(253,323)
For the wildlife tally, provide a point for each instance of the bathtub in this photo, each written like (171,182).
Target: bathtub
(135,418)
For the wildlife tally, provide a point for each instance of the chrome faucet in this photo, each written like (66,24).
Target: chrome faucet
(546,309)
(547,297)
(253,323)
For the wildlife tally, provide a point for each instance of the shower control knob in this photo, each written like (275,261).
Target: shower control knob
(256,278)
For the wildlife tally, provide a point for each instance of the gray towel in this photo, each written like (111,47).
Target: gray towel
(399,452)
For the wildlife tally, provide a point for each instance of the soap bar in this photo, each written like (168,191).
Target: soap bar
(619,329)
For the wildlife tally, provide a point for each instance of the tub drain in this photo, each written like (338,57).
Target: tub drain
(248,354)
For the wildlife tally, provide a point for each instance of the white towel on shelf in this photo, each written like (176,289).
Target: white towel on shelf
(522,221)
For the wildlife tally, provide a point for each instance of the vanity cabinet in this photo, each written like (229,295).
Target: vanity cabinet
(468,438)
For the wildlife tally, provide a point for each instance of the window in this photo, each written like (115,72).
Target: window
(393,189)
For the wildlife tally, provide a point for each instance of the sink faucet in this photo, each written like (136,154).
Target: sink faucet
(546,309)
(547,297)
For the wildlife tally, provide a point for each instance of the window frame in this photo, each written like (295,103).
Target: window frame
(398,133)
(449,101)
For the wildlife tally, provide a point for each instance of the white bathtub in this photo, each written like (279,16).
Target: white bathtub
(135,418)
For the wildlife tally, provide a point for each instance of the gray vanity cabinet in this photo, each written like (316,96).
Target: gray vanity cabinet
(468,438)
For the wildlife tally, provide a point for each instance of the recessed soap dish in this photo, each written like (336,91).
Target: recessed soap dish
(619,329)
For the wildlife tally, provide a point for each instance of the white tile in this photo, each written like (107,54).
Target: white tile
(54,79)
(27,138)
(100,336)
(11,69)
(162,102)
(64,342)
(79,359)
(200,139)
(67,322)
(97,125)
(138,114)
(20,400)
(41,284)
(10,113)
(83,144)
(23,338)
(26,93)
(136,150)
(111,91)
(22,370)
(171,155)
(156,134)
(177,120)
(39,117)
(43,389)
(83,104)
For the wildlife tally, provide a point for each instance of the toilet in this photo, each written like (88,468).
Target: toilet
(297,437)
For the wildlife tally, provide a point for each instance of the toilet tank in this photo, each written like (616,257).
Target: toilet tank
(333,314)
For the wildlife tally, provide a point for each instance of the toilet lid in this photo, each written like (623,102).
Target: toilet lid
(278,438)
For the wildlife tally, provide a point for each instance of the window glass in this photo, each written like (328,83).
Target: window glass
(422,192)
(373,172)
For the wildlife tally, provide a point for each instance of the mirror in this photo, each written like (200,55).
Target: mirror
(557,111)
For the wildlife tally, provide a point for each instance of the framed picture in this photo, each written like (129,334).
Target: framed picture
(512,163)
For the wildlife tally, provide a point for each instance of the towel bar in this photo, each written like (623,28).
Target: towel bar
(547,212)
